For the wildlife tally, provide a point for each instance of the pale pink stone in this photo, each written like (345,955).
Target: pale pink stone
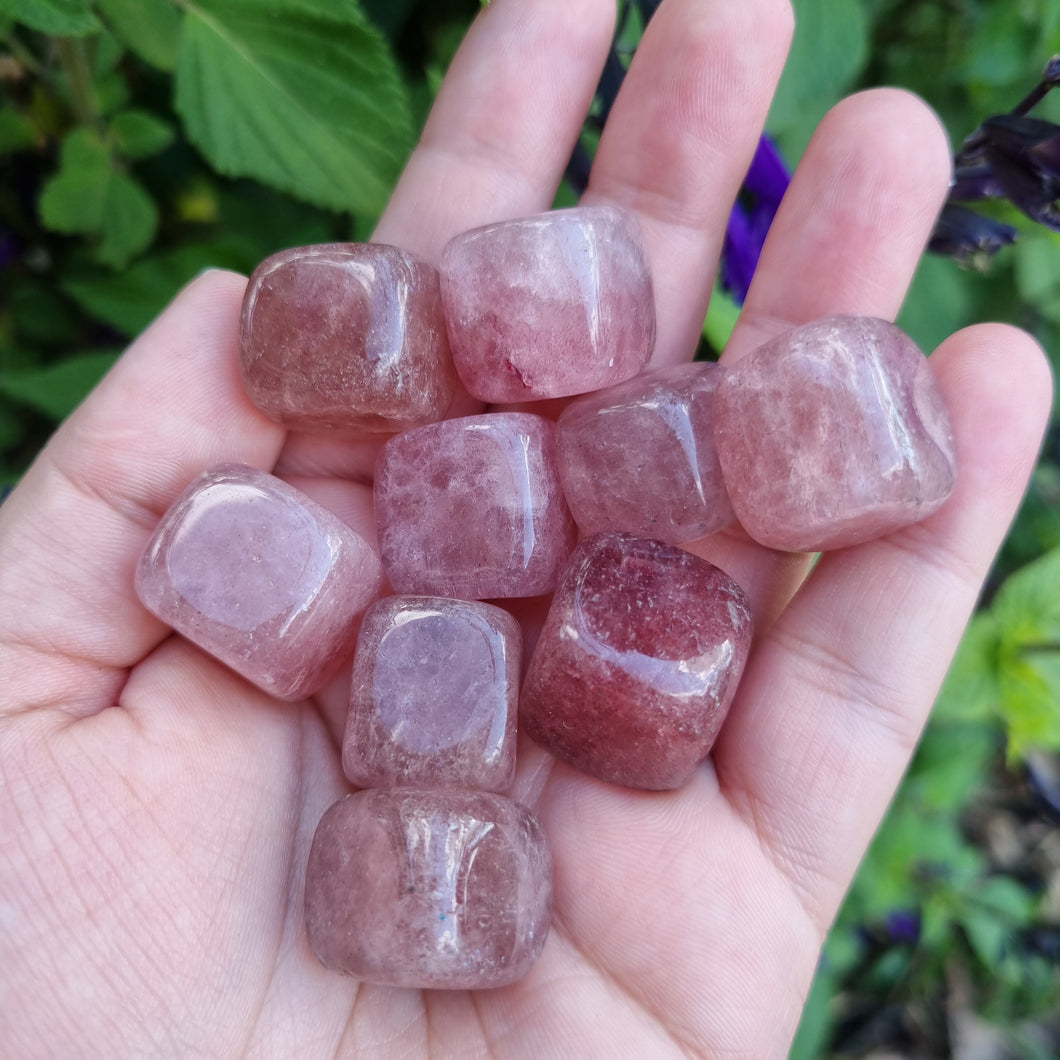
(414,888)
(548,306)
(640,457)
(434,695)
(472,508)
(260,576)
(833,434)
(637,663)
(346,337)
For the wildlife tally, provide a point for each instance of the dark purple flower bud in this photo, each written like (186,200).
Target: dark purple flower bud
(968,236)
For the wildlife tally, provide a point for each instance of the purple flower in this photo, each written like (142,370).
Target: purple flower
(753,212)
(903,927)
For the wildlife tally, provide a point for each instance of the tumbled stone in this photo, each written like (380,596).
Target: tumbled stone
(346,337)
(833,434)
(548,306)
(637,663)
(414,888)
(473,508)
(640,457)
(434,695)
(260,576)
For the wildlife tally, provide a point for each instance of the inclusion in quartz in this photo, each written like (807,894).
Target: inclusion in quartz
(637,662)
(640,457)
(833,434)
(434,695)
(429,888)
(548,306)
(346,337)
(262,577)
(473,508)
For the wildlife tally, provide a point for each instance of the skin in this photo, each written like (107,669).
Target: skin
(156,811)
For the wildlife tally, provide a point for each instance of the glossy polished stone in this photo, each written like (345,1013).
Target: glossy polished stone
(414,888)
(637,663)
(260,576)
(434,695)
(472,508)
(346,337)
(833,434)
(548,306)
(640,457)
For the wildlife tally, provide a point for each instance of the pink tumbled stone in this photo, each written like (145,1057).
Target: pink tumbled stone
(260,576)
(472,508)
(346,337)
(640,457)
(434,695)
(413,888)
(551,305)
(637,662)
(833,434)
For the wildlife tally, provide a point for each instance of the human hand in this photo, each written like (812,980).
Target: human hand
(157,811)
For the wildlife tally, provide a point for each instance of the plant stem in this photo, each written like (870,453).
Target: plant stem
(74,59)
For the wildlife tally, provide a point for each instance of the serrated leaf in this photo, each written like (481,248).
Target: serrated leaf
(149,28)
(1027,606)
(139,134)
(971,690)
(64,18)
(58,389)
(302,95)
(1030,706)
(89,196)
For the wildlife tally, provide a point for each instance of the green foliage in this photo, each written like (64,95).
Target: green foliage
(148,28)
(58,389)
(151,139)
(300,94)
(91,195)
(71,18)
(827,55)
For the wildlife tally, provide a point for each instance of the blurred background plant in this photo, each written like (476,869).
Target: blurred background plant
(142,141)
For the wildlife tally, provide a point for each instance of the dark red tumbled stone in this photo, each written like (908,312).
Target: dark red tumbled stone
(637,663)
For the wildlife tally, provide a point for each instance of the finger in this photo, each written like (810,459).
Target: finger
(855,220)
(846,239)
(835,696)
(73,530)
(505,121)
(680,138)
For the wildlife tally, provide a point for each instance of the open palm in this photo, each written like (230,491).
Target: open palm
(156,811)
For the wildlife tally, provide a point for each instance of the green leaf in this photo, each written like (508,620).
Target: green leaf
(65,18)
(130,300)
(58,389)
(828,51)
(149,28)
(139,134)
(1027,606)
(16,131)
(302,95)
(972,688)
(89,196)
(722,315)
